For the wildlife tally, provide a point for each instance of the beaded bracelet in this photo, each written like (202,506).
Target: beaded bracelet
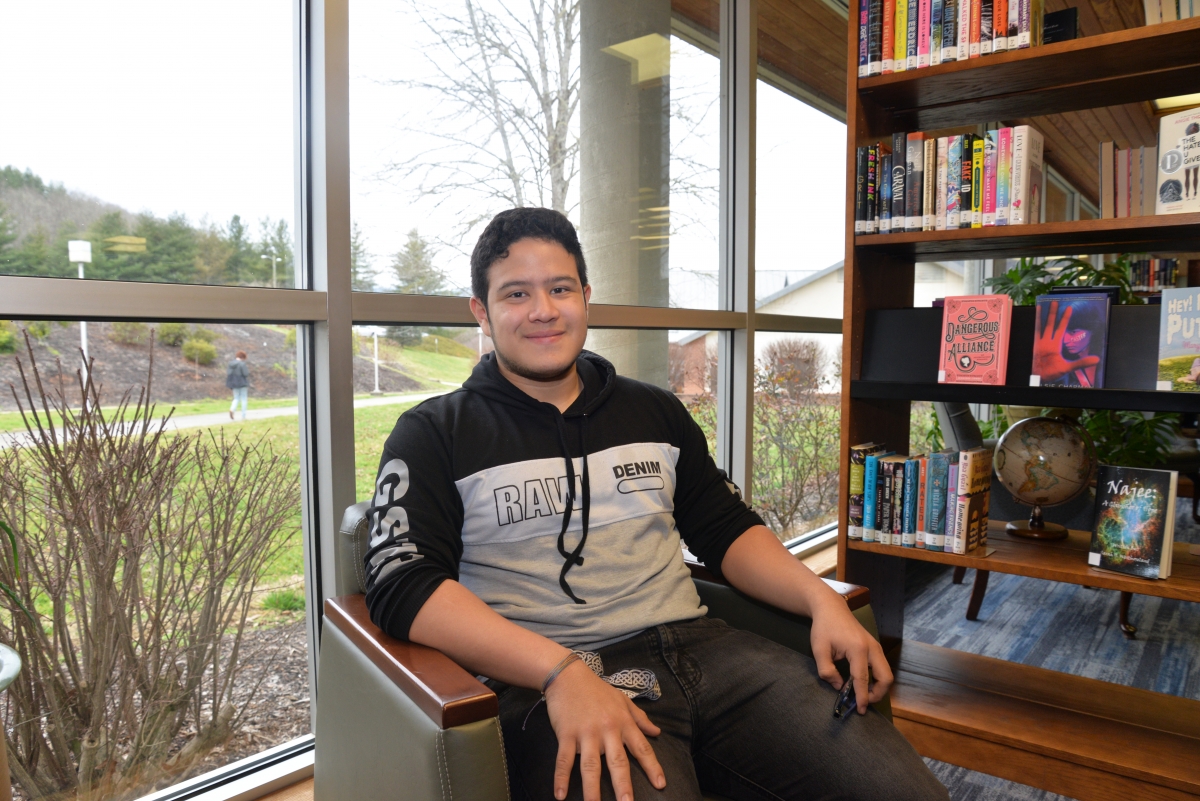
(559,668)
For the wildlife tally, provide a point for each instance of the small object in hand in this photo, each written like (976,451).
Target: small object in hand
(845,700)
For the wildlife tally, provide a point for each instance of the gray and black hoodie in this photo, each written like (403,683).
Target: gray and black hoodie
(568,524)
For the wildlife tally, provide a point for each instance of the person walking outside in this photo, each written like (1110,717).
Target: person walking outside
(237,378)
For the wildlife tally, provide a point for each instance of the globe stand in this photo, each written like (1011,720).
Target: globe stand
(1037,528)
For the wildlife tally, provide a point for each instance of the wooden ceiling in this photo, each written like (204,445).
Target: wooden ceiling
(805,41)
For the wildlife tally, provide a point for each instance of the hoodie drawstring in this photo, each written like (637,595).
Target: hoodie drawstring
(573,558)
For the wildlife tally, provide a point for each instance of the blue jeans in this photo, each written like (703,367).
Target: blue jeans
(741,716)
(240,395)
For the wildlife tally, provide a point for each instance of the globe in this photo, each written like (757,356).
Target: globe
(1044,461)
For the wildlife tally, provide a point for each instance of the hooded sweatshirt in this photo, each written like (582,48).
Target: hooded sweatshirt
(568,524)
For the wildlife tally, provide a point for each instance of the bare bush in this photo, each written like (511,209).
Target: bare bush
(140,553)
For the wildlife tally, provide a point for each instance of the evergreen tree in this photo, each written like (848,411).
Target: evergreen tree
(276,238)
(245,265)
(361,275)
(414,269)
(7,234)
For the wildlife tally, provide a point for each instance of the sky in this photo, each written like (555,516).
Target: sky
(175,108)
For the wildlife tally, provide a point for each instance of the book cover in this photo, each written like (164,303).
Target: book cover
(974,471)
(1003,175)
(1121,171)
(899,154)
(978,523)
(860,190)
(1026,195)
(999,26)
(964,29)
(950,31)
(989,177)
(1149,179)
(863,26)
(976,23)
(922,509)
(885,194)
(1108,185)
(965,215)
(914,190)
(975,332)
(986,8)
(872,188)
(969,517)
(1135,521)
(858,459)
(900,48)
(1070,342)
(953,177)
(1179,340)
(935,501)
(924,9)
(908,522)
(1014,23)
(977,182)
(874,37)
(943,166)
(1178,189)
(913,40)
(929,186)
(888,35)
(936,9)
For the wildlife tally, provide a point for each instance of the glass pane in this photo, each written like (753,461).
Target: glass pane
(185,584)
(160,134)
(938,279)
(1058,202)
(453,121)
(800,227)
(797,395)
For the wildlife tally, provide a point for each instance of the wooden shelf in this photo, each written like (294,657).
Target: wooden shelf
(1162,233)
(1067,734)
(1064,560)
(1113,68)
(1046,397)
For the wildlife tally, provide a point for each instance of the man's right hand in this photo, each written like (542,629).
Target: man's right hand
(591,718)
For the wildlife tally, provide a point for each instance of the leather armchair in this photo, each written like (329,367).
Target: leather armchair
(400,720)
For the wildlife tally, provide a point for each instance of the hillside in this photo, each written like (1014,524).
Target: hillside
(34,204)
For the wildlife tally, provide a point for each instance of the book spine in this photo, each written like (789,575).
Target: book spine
(937,502)
(888,36)
(899,156)
(951,506)
(924,8)
(1107,170)
(989,178)
(914,41)
(1150,180)
(950,31)
(986,9)
(963,42)
(870,473)
(1135,181)
(1036,21)
(936,10)
(922,508)
(880,505)
(1122,184)
(900,64)
(977,182)
(913,174)
(953,178)
(854,511)
(1153,12)
(960,524)
(864,11)
(1003,175)
(885,194)
(943,166)
(860,191)
(976,21)
(965,216)
(929,186)
(1014,23)
(888,470)
(908,529)
(874,37)
(872,189)
(1020,165)
(999,26)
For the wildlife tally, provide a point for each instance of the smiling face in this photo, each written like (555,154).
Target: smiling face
(536,311)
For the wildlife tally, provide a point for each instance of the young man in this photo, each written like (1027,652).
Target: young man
(541,508)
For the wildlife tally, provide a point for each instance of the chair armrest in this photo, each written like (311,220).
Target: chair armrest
(449,695)
(856,596)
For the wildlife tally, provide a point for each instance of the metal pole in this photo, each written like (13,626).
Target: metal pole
(376,392)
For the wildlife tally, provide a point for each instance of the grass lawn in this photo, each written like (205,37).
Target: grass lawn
(11,421)
(430,368)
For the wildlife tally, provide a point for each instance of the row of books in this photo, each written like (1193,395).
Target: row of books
(1070,343)
(900,35)
(1170,10)
(1153,275)
(917,183)
(937,501)
(1128,180)
(1154,180)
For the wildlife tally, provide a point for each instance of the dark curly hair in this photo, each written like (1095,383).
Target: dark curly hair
(514,225)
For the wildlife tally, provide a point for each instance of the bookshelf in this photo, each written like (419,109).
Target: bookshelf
(1077,736)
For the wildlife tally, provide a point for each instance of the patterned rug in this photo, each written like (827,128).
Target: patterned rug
(1061,627)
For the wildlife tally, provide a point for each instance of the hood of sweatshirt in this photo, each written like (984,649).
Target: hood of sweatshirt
(598,377)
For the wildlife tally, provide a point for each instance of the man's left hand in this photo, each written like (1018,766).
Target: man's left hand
(837,634)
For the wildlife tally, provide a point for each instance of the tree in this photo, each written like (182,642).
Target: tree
(509,85)
(245,265)
(414,268)
(362,276)
(276,238)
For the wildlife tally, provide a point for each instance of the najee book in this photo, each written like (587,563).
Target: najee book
(1178,189)
(975,331)
(1135,521)
(1179,340)
(1070,340)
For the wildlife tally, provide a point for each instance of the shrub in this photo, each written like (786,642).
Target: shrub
(199,351)
(8,337)
(172,334)
(140,552)
(39,329)
(129,333)
(284,601)
(203,334)
(290,338)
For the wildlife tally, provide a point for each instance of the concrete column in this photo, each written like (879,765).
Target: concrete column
(625,110)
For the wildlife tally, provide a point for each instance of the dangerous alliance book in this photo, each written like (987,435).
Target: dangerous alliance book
(1135,521)
(975,339)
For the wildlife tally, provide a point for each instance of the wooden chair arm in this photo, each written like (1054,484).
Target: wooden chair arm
(856,596)
(447,693)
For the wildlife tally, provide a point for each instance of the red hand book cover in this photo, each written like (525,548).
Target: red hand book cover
(975,339)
